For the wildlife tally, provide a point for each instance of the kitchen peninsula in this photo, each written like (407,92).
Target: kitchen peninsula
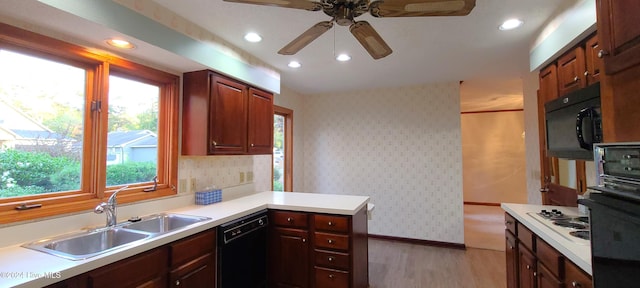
(22,267)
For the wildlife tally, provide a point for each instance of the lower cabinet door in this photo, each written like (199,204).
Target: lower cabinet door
(546,279)
(148,269)
(527,270)
(330,278)
(289,258)
(197,273)
(511,252)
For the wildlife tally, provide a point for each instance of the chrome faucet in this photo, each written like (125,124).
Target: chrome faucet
(110,207)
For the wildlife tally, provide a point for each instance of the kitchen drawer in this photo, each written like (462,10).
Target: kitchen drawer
(332,241)
(331,223)
(332,259)
(289,219)
(575,277)
(510,223)
(330,278)
(192,247)
(550,257)
(526,237)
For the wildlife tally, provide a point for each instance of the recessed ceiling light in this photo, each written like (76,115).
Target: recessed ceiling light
(343,57)
(511,24)
(252,37)
(294,64)
(119,43)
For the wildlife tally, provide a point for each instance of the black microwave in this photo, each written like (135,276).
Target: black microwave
(573,124)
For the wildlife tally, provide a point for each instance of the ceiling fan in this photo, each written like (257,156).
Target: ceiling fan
(343,13)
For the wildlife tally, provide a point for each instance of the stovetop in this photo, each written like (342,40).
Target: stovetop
(572,227)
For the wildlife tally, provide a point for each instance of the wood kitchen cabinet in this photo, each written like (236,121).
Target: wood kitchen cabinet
(593,63)
(289,249)
(334,253)
(188,262)
(571,68)
(222,116)
(620,34)
(531,262)
(193,261)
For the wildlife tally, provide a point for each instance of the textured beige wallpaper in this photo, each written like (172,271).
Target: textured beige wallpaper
(493,154)
(399,146)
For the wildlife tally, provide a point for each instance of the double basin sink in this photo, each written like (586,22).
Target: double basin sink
(86,244)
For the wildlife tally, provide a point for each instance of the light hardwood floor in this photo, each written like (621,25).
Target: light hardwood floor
(484,227)
(397,264)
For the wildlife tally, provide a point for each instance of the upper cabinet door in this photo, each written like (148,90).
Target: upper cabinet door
(619,33)
(260,128)
(548,84)
(228,117)
(594,64)
(571,68)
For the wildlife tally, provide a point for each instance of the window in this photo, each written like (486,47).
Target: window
(282,149)
(75,126)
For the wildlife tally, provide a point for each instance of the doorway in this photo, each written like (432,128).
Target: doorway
(282,149)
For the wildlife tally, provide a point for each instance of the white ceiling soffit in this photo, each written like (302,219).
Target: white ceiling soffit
(126,21)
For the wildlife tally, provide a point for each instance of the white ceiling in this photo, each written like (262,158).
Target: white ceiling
(426,49)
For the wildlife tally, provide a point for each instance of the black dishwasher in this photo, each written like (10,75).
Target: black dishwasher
(242,252)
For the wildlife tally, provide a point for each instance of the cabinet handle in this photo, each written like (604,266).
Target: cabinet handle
(535,274)
(214,143)
(602,53)
(289,219)
(252,145)
(331,276)
(304,240)
(528,267)
(576,284)
(586,73)
(330,241)
(508,222)
(330,259)
(177,282)
(330,223)
(576,79)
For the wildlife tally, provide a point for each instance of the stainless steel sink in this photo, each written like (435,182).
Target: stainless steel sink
(86,244)
(82,245)
(164,222)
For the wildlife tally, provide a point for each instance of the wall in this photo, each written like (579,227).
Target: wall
(295,101)
(493,154)
(401,147)
(532,146)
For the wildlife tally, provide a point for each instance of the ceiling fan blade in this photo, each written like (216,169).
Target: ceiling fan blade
(296,4)
(418,8)
(305,38)
(370,39)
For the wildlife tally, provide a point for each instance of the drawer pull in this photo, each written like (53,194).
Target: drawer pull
(331,276)
(289,219)
(330,241)
(177,282)
(330,223)
(528,267)
(331,260)
(304,240)
(575,284)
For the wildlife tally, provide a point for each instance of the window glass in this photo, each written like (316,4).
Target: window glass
(278,152)
(41,125)
(132,140)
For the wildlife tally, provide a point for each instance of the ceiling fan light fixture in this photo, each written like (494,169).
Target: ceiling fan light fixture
(511,24)
(294,64)
(252,37)
(343,57)
(443,6)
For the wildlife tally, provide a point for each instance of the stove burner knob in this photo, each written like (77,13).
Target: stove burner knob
(554,210)
(543,211)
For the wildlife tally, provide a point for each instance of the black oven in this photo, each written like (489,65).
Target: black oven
(614,211)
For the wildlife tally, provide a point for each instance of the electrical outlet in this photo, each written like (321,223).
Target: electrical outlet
(192,185)
(182,185)
(241,177)
(250,176)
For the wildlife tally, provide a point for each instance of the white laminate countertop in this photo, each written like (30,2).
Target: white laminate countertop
(578,254)
(22,267)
